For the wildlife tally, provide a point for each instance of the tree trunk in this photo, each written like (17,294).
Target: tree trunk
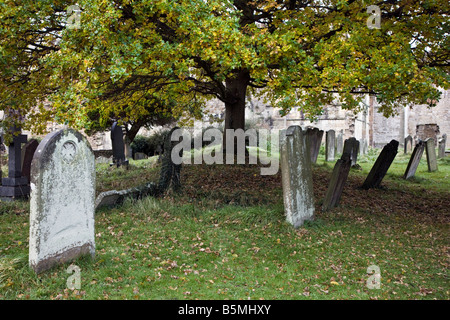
(235,105)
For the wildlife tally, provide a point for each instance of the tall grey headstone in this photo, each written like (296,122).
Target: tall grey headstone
(351,146)
(408,144)
(381,165)
(362,146)
(338,178)
(62,200)
(414,160)
(340,143)
(441,146)
(296,176)
(330,145)
(314,140)
(431,154)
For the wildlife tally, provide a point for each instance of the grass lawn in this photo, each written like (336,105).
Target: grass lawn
(225,237)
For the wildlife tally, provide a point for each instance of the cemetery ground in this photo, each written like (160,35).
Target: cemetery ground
(225,237)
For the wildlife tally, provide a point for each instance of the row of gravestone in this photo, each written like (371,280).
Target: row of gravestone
(62,197)
(441,143)
(296,158)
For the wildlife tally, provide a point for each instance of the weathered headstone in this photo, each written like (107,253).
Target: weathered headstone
(381,165)
(62,200)
(408,144)
(431,154)
(362,146)
(338,178)
(441,146)
(15,186)
(340,143)
(118,145)
(28,152)
(296,176)
(414,160)
(314,140)
(351,146)
(330,145)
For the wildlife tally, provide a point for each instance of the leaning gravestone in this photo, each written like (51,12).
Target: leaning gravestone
(118,146)
(351,146)
(296,176)
(330,145)
(408,144)
(28,153)
(338,178)
(431,154)
(62,200)
(381,165)
(414,160)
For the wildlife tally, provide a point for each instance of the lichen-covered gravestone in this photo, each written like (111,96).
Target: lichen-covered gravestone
(431,154)
(62,200)
(296,176)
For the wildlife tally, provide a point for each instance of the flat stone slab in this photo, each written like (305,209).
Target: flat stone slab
(114,197)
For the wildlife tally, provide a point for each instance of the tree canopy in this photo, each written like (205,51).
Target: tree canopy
(158,59)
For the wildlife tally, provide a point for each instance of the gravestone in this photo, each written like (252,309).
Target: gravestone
(408,144)
(340,143)
(351,146)
(338,178)
(381,165)
(296,176)
(442,141)
(330,145)
(414,160)
(28,152)
(15,185)
(362,146)
(118,145)
(62,200)
(314,140)
(431,154)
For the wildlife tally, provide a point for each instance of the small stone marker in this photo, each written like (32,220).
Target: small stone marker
(431,154)
(28,152)
(381,165)
(362,146)
(62,200)
(414,160)
(338,178)
(408,144)
(442,141)
(330,145)
(351,146)
(296,176)
(118,145)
